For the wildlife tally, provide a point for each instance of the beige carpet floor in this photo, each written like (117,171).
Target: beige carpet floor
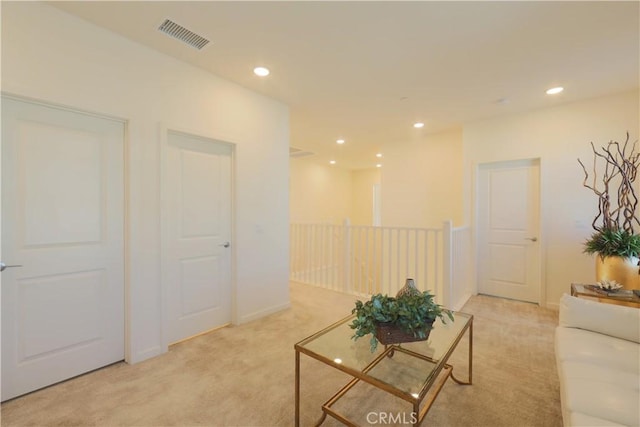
(244,376)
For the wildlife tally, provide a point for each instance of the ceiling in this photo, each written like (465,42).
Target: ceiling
(366,71)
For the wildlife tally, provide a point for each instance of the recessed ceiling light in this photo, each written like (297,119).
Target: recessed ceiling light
(554,90)
(379,155)
(261,71)
(333,162)
(340,141)
(379,165)
(418,125)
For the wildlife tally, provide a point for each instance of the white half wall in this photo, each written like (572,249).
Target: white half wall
(55,57)
(557,136)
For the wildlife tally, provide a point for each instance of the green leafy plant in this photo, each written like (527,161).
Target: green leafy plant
(613,242)
(413,313)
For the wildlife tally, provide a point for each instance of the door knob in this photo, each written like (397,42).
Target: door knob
(533,239)
(3,266)
(225,244)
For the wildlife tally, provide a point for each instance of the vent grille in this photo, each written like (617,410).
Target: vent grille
(297,153)
(179,32)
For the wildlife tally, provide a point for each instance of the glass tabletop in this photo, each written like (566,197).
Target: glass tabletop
(411,367)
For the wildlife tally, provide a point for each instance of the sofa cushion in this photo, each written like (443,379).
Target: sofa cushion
(602,374)
(615,320)
(599,378)
(599,391)
(601,399)
(597,349)
(598,358)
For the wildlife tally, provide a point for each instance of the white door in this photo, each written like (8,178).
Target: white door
(197,188)
(62,220)
(508,230)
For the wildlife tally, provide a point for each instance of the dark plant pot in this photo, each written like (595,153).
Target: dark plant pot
(389,333)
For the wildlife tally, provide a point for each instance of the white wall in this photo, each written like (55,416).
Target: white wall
(557,136)
(362,195)
(319,193)
(422,181)
(329,194)
(55,57)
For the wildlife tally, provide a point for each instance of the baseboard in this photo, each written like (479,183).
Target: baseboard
(145,354)
(553,306)
(460,303)
(264,312)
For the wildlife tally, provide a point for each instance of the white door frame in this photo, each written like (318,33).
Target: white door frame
(164,236)
(475,204)
(126,194)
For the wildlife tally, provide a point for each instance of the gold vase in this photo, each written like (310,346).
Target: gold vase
(623,270)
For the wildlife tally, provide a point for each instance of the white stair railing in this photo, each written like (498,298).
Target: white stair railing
(365,260)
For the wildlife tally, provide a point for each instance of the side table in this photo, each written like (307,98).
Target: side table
(619,298)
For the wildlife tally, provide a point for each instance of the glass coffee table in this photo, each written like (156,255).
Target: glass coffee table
(411,371)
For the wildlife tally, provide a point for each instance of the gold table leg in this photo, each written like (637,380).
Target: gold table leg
(297,415)
(470,358)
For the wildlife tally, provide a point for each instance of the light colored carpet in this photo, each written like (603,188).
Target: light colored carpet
(244,376)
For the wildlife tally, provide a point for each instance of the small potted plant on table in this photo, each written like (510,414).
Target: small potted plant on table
(407,317)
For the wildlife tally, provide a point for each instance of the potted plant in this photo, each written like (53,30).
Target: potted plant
(614,239)
(390,320)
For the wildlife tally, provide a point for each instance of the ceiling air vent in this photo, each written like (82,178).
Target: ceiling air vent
(177,31)
(297,153)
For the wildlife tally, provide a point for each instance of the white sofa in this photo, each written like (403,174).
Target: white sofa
(597,349)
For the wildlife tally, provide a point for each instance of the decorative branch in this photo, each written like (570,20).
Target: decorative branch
(621,169)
